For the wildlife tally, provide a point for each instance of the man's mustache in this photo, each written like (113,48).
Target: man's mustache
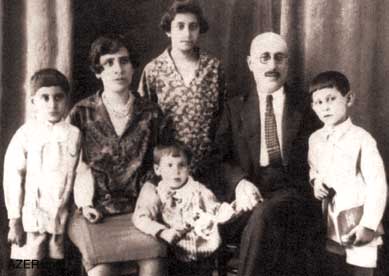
(272,74)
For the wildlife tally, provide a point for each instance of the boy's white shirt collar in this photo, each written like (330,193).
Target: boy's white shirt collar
(336,132)
(47,131)
(47,123)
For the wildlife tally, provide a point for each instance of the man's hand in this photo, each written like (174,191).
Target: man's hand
(225,213)
(172,235)
(16,234)
(247,195)
(360,235)
(91,214)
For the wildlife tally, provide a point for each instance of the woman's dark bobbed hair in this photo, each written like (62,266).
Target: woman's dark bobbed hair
(109,44)
(183,6)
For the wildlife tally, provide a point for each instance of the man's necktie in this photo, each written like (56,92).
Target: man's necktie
(272,143)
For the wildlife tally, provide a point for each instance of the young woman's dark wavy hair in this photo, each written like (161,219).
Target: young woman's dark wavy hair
(183,7)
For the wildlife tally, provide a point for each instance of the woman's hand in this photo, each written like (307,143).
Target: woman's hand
(16,234)
(91,214)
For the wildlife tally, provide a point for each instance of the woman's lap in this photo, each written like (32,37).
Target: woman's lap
(115,239)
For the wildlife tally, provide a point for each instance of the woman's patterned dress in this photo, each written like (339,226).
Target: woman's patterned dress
(194,110)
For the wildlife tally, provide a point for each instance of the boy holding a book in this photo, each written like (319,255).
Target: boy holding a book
(347,174)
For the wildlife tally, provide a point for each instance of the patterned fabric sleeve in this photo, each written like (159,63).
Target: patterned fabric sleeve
(146,84)
(147,211)
(208,200)
(209,165)
(223,212)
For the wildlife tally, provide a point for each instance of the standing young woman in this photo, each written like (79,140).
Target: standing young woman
(188,84)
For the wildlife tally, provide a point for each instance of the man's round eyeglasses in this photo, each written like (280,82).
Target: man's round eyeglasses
(278,58)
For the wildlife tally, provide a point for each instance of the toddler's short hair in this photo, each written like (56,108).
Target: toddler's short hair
(330,79)
(183,6)
(108,44)
(49,77)
(175,149)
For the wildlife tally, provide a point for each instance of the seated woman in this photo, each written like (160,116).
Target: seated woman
(118,130)
(189,86)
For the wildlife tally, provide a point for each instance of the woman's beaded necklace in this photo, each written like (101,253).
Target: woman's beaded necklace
(119,112)
(119,116)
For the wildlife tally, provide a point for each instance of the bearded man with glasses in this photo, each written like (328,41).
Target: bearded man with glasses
(262,141)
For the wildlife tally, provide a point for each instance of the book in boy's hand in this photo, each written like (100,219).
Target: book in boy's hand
(348,220)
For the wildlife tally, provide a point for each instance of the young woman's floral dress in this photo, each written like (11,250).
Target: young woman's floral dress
(194,109)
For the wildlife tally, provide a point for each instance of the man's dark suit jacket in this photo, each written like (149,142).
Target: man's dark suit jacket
(239,142)
(238,139)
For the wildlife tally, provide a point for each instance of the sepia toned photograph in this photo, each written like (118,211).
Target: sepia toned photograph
(194,137)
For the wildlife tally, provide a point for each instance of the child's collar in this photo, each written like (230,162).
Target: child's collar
(47,123)
(164,187)
(337,131)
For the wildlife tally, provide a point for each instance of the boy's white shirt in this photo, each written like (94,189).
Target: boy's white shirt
(39,169)
(346,158)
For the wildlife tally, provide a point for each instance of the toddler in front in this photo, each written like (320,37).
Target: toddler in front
(182,212)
